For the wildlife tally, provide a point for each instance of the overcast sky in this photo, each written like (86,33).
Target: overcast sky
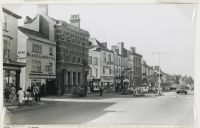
(148,27)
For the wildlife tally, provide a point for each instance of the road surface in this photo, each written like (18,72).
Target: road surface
(170,108)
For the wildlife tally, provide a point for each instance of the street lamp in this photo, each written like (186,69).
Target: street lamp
(159,80)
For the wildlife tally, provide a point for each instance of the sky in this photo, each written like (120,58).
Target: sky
(150,28)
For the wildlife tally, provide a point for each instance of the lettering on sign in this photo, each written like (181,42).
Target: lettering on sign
(36,55)
(21,52)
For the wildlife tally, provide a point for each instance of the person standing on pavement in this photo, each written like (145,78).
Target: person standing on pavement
(7,93)
(39,93)
(21,96)
(12,94)
(88,90)
(36,92)
(101,90)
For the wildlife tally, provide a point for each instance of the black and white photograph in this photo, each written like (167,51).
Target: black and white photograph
(98,64)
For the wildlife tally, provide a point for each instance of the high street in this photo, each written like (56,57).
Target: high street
(170,108)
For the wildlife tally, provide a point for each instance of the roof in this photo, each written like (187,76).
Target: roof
(100,46)
(136,54)
(32,32)
(72,26)
(11,13)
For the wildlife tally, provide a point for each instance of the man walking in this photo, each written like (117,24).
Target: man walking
(36,92)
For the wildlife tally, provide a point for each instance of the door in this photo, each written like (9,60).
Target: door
(51,87)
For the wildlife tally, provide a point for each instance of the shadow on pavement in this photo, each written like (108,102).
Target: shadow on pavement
(61,113)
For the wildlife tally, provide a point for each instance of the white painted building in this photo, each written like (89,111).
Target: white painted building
(37,48)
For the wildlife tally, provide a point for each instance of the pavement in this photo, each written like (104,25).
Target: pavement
(16,108)
(169,108)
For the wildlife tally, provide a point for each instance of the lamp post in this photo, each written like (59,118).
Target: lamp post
(159,80)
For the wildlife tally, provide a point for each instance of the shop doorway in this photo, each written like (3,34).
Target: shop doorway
(51,87)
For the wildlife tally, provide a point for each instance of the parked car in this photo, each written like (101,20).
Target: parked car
(181,90)
(79,92)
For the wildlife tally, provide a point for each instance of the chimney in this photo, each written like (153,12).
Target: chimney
(42,9)
(75,20)
(120,47)
(114,48)
(27,20)
(104,44)
(132,49)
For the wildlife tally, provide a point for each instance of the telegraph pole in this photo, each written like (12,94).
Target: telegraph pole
(159,80)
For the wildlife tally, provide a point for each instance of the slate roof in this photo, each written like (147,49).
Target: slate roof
(100,46)
(32,32)
(11,13)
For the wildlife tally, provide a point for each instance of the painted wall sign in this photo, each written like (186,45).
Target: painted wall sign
(37,55)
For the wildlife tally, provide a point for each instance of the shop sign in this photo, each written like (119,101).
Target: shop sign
(42,76)
(107,79)
(40,56)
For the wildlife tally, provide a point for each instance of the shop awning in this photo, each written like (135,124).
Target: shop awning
(12,65)
(126,80)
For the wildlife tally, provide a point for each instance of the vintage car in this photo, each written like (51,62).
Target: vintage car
(79,92)
(181,90)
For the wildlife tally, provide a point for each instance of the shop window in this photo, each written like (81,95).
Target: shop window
(9,78)
(37,48)
(36,66)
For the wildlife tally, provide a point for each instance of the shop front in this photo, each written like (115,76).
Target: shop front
(49,81)
(11,74)
(107,82)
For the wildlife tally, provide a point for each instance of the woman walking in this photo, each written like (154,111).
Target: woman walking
(21,96)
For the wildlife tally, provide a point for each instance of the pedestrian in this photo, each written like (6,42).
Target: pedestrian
(12,94)
(29,94)
(36,92)
(7,93)
(88,90)
(39,93)
(45,89)
(21,96)
(101,91)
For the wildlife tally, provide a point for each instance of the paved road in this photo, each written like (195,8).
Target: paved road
(168,109)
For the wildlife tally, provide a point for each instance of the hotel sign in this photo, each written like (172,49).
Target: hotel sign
(40,56)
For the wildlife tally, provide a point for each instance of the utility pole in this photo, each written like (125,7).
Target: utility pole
(159,80)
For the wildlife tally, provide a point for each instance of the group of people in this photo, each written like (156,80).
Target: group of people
(33,92)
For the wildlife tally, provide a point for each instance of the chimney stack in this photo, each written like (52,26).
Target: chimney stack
(104,44)
(132,49)
(120,47)
(114,48)
(27,20)
(75,21)
(42,9)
